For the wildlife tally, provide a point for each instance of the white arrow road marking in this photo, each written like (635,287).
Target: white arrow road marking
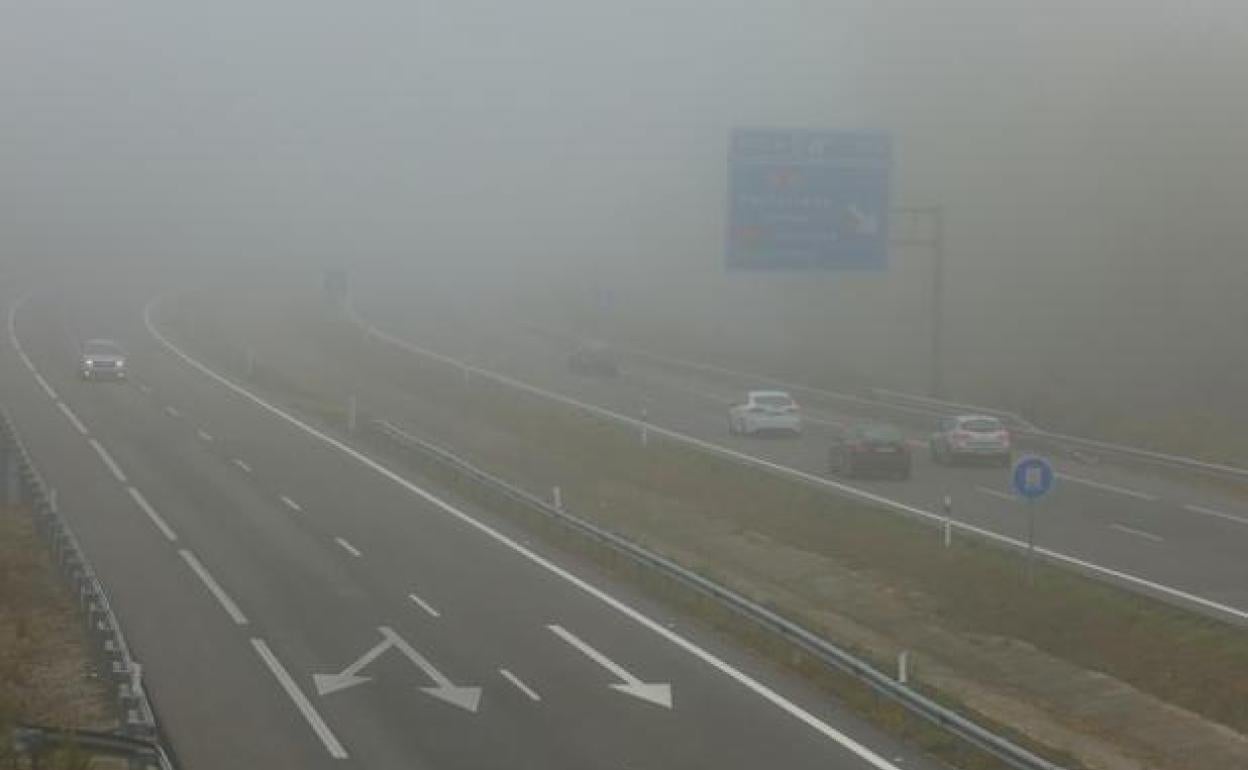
(328,683)
(73,418)
(305,707)
(113,467)
(467,698)
(658,694)
(156,518)
(521,686)
(214,587)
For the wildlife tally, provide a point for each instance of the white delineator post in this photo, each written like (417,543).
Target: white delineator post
(557,495)
(947,505)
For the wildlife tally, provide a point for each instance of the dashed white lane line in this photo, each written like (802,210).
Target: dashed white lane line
(997,493)
(1219,514)
(424,605)
(203,435)
(156,518)
(108,460)
(172,411)
(301,701)
(73,418)
(143,388)
(1138,533)
(44,384)
(244,467)
(521,686)
(348,547)
(1107,487)
(291,504)
(214,588)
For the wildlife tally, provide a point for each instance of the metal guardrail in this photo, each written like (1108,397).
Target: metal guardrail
(1009,752)
(1064,443)
(22,485)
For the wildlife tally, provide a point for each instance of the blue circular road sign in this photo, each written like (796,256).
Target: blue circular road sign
(1032,477)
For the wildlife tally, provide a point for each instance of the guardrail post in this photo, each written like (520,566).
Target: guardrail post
(947,506)
(903,666)
(645,421)
(557,494)
(352,413)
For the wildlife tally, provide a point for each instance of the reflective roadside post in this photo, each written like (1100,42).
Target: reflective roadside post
(947,506)
(1032,479)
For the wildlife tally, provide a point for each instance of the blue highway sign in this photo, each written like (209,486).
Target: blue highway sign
(1033,477)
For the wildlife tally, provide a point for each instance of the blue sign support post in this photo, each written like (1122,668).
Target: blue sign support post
(803,199)
(1032,479)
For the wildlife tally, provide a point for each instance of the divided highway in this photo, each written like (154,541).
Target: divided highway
(297,605)
(1182,539)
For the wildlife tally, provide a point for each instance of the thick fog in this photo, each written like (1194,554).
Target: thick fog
(1089,156)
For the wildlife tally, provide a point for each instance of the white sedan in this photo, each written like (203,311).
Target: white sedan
(764,411)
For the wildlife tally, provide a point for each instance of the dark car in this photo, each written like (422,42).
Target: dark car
(594,360)
(102,360)
(869,449)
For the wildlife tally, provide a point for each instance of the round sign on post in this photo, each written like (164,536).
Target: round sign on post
(1032,477)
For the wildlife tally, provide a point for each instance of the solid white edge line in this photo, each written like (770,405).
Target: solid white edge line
(424,605)
(291,504)
(44,384)
(521,686)
(301,701)
(1219,514)
(1107,487)
(1240,615)
(203,435)
(760,689)
(1138,533)
(997,493)
(348,547)
(214,588)
(73,418)
(242,465)
(156,518)
(113,467)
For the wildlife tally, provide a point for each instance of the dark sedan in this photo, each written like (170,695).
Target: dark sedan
(869,450)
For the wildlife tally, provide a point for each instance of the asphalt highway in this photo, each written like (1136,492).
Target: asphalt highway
(296,604)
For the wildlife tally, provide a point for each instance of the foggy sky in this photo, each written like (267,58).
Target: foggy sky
(1089,155)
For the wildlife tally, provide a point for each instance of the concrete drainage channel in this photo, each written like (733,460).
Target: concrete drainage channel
(137,739)
(793,634)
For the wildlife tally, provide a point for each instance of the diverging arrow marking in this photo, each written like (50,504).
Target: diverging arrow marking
(659,694)
(467,698)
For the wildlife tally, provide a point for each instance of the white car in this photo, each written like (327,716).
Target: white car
(971,437)
(102,360)
(765,411)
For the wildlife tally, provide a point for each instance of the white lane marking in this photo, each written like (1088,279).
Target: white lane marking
(108,460)
(521,686)
(214,587)
(861,494)
(242,465)
(44,384)
(997,493)
(1107,487)
(143,388)
(348,547)
(291,504)
(203,435)
(1138,533)
(73,418)
(1211,512)
(424,605)
(172,412)
(160,523)
(755,686)
(301,701)
(658,693)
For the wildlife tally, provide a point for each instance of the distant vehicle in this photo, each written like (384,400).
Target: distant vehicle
(102,360)
(765,411)
(595,360)
(869,449)
(971,437)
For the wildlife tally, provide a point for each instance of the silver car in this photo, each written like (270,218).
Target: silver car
(102,360)
(971,437)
